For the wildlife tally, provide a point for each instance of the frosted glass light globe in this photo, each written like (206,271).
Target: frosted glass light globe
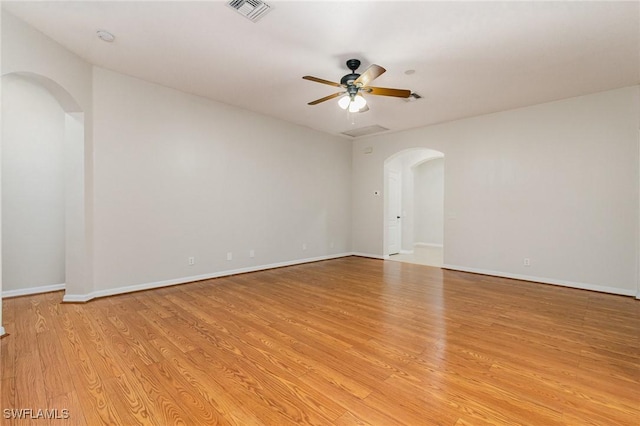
(359,101)
(344,102)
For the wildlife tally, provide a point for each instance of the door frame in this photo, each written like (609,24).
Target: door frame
(388,219)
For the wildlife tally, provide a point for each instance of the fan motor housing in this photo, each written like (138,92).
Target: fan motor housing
(353,64)
(349,78)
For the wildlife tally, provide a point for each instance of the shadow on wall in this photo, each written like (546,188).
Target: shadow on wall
(408,200)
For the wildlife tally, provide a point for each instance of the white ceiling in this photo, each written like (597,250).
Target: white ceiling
(470,58)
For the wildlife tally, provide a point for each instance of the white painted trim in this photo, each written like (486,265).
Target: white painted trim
(79,298)
(638,230)
(32,290)
(2,332)
(372,256)
(572,284)
(428,245)
(406,251)
(426,160)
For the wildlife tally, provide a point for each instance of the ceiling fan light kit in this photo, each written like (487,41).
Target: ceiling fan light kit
(353,104)
(355,85)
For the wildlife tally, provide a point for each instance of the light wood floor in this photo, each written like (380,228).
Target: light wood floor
(422,255)
(347,341)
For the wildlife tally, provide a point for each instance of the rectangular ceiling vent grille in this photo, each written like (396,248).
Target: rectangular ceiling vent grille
(365,131)
(250,9)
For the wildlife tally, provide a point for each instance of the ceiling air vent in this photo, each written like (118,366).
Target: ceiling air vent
(364,131)
(250,9)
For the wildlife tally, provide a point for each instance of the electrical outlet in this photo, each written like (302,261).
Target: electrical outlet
(526,261)
(229,255)
(252,253)
(304,246)
(192,261)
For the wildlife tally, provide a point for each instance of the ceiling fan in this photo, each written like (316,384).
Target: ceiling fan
(355,85)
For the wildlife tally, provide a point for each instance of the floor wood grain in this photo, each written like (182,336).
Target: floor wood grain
(350,341)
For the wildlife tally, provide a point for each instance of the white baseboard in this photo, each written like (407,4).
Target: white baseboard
(148,286)
(563,283)
(80,298)
(32,290)
(2,332)
(372,256)
(428,245)
(406,251)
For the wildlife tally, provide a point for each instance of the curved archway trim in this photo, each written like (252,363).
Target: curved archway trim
(62,95)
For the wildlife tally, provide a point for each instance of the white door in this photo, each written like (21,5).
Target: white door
(394,207)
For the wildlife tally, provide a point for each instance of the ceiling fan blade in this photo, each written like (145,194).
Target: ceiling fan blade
(384,91)
(373,72)
(320,80)
(326,98)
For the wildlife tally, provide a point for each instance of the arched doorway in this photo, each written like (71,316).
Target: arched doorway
(43,186)
(414,206)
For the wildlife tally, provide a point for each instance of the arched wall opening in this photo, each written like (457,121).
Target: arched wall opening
(43,187)
(414,188)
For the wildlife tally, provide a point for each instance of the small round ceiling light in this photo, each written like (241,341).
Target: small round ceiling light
(409,72)
(105,36)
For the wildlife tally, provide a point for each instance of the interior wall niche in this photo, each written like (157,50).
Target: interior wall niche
(33,186)
(43,187)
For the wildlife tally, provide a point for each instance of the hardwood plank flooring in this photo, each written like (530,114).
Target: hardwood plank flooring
(350,341)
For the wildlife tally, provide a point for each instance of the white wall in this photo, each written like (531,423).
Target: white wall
(25,49)
(556,182)
(177,176)
(28,53)
(428,186)
(33,211)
